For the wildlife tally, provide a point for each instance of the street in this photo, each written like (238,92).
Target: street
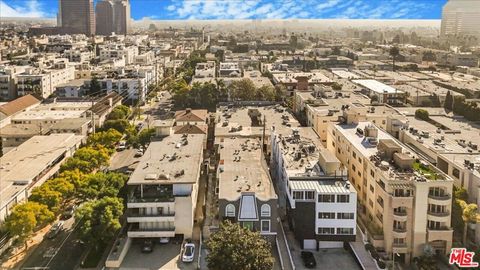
(62,252)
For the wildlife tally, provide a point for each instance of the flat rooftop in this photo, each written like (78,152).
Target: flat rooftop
(36,154)
(377,87)
(175,159)
(47,115)
(229,120)
(323,186)
(238,157)
(345,73)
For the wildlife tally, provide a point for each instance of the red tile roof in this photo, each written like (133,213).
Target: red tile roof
(18,105)
(191,115)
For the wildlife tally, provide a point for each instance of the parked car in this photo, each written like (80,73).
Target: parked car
(122,145)
(54,230)
(139,153)
(308,259)
(188,252)
(147,246)
(164,240)
(68,213)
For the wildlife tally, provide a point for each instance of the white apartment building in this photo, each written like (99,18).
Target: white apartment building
(132,84)
(319,201)
(8,81)
(113,51)
(43,81)
(229,69)
(74,55)
(163,188)
(205,70)
(405,202)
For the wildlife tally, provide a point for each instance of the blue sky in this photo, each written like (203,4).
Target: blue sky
(249,9)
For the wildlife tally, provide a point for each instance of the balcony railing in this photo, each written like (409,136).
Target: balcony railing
(440,228)
(400,213)
(151,199)
(439,214)
(399,230)
(439,197)
(399,245)
(169,229)
(132,214)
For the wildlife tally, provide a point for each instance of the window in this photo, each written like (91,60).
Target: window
(372,189)
(230,210)
(322,230)
(380,201)
(456,173)
(345,215)
(359,174)
(370,202)
(344,230)
(359,160)
(326,215)
(372,173)
(343,198)
(298,195)
(265,210)
(309,195)
(326,198)
(353,168)
(265,225)
(354,155)
(248,225)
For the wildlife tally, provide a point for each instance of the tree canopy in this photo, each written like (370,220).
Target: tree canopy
(422,114)
(236,248)
(100,219)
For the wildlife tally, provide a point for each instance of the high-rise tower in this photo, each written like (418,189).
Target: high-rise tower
(461,17)
(77,16)
(113,16)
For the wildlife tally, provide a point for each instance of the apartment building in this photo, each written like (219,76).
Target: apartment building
(246,196)
(42,155)
(383,93)
(42,82)
(205,70)
(114,51)
(8,82)
(319,201)
(405,202)
(229,69)
(163,189)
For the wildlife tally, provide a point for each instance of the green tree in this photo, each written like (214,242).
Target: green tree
(27,217)
(45,195)
(336,86)
(119,112)
(266,93)
(145,136)
(95,87)
(469,215)
(73,163)
(100,185)
(448,105)
(422,114)
(107,138)
(394,53)
(243,89)
(75,177)
(119,125)
(236,248)
(100,220)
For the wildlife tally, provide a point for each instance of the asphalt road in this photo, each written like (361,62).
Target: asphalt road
(67,247)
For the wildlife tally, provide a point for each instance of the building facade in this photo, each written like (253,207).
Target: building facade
(460,17)
(77,17)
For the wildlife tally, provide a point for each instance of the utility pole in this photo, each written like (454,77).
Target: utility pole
(263,134)
(93,116)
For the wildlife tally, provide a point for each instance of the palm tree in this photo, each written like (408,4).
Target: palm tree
(394,53)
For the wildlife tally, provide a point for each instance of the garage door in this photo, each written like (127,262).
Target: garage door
(330,244)
(310,244)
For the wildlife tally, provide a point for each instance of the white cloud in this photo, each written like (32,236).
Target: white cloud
(31,8)
(283,9)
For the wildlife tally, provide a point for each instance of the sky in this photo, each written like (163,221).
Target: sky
(249,9)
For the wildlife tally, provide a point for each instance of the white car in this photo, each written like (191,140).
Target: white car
(164,240)
(188,252)
(122,146)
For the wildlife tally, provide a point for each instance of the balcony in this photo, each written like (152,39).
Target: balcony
(134,216)
(400,215)
(136,232)
(439,197)
(150,196)
(439,214)
(399,232)
(400,247)
(441,233)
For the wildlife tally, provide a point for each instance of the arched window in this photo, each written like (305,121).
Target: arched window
(265,210)
(230,210)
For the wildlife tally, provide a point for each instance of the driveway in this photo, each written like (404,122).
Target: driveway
(166,256)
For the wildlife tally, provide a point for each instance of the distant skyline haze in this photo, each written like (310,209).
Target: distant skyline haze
(250,9)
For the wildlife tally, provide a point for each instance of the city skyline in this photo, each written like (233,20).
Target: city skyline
(258,9)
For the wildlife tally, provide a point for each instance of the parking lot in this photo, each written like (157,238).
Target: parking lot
(164,256)
(333,258)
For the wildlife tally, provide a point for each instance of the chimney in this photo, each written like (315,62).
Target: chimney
(188,110)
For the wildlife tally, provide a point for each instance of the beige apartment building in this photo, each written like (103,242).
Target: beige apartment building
(404,202)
